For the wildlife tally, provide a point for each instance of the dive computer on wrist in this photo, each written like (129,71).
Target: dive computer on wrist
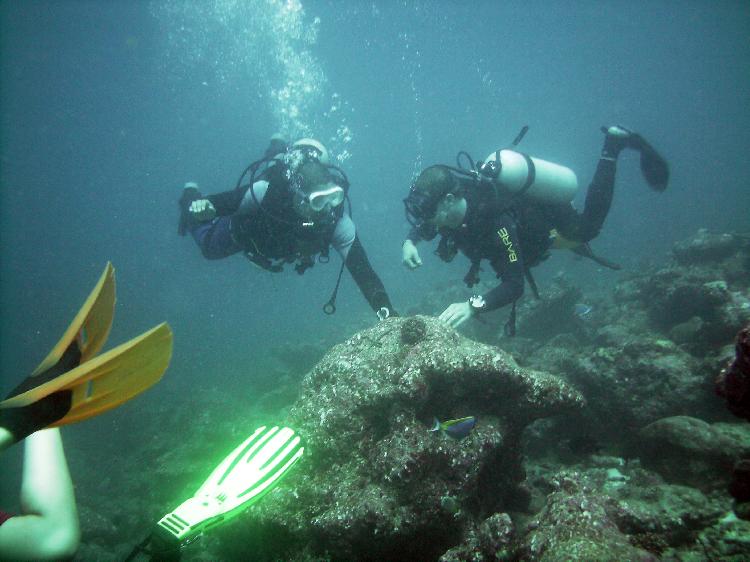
(477,303)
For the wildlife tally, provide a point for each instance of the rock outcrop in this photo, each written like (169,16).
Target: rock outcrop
(376,483)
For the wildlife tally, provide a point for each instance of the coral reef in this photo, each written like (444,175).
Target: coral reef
(491,540)
(690,451)
(651,351)
(605,508)
(575,525)
(702,297)
(373,468)
(600,435)
(705,248)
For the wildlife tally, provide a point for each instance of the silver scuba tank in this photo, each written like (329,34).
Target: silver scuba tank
(538,179)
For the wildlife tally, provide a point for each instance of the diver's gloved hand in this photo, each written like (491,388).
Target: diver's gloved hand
(202,210)
(409,255)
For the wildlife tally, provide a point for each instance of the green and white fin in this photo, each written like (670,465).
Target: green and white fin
(249,472)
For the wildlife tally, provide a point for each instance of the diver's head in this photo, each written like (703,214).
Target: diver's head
(312,149)
(315,191)
(435,198)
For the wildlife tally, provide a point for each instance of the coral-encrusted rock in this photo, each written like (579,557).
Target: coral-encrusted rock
(690,451)
(705,247)
(491,541)
(575,525)
(675,514)
(664,519)
(413,330)
(702,300)
(373,468)
(674,296)
(636,383)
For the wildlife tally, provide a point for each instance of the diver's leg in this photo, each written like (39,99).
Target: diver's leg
(48,526)
(598,199)
(46,488)
(215,239)
(600,192)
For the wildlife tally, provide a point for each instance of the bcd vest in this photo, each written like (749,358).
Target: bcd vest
(275,234)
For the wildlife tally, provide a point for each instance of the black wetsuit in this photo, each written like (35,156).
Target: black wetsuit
(518,237)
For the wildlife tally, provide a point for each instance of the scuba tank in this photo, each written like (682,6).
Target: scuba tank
(538,179)
(519,174)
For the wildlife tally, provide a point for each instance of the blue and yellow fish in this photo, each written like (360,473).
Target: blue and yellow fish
(457,429)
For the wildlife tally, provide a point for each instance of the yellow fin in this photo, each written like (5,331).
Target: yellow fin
(106,381)
(559,242)
(90,327)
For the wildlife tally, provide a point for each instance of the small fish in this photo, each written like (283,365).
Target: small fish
(457,429)
(582,310)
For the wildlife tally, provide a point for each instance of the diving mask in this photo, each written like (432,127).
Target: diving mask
(330,197)
(420,208)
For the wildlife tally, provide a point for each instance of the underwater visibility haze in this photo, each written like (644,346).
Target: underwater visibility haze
(587,419)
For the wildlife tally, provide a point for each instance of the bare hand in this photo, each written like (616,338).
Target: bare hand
(456,314)
(410,256)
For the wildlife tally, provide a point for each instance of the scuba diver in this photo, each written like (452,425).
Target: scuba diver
(290,211)
(511,210)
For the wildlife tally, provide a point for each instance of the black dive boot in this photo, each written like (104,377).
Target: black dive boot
(653,166)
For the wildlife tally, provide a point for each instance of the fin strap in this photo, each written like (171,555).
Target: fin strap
(24,420)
